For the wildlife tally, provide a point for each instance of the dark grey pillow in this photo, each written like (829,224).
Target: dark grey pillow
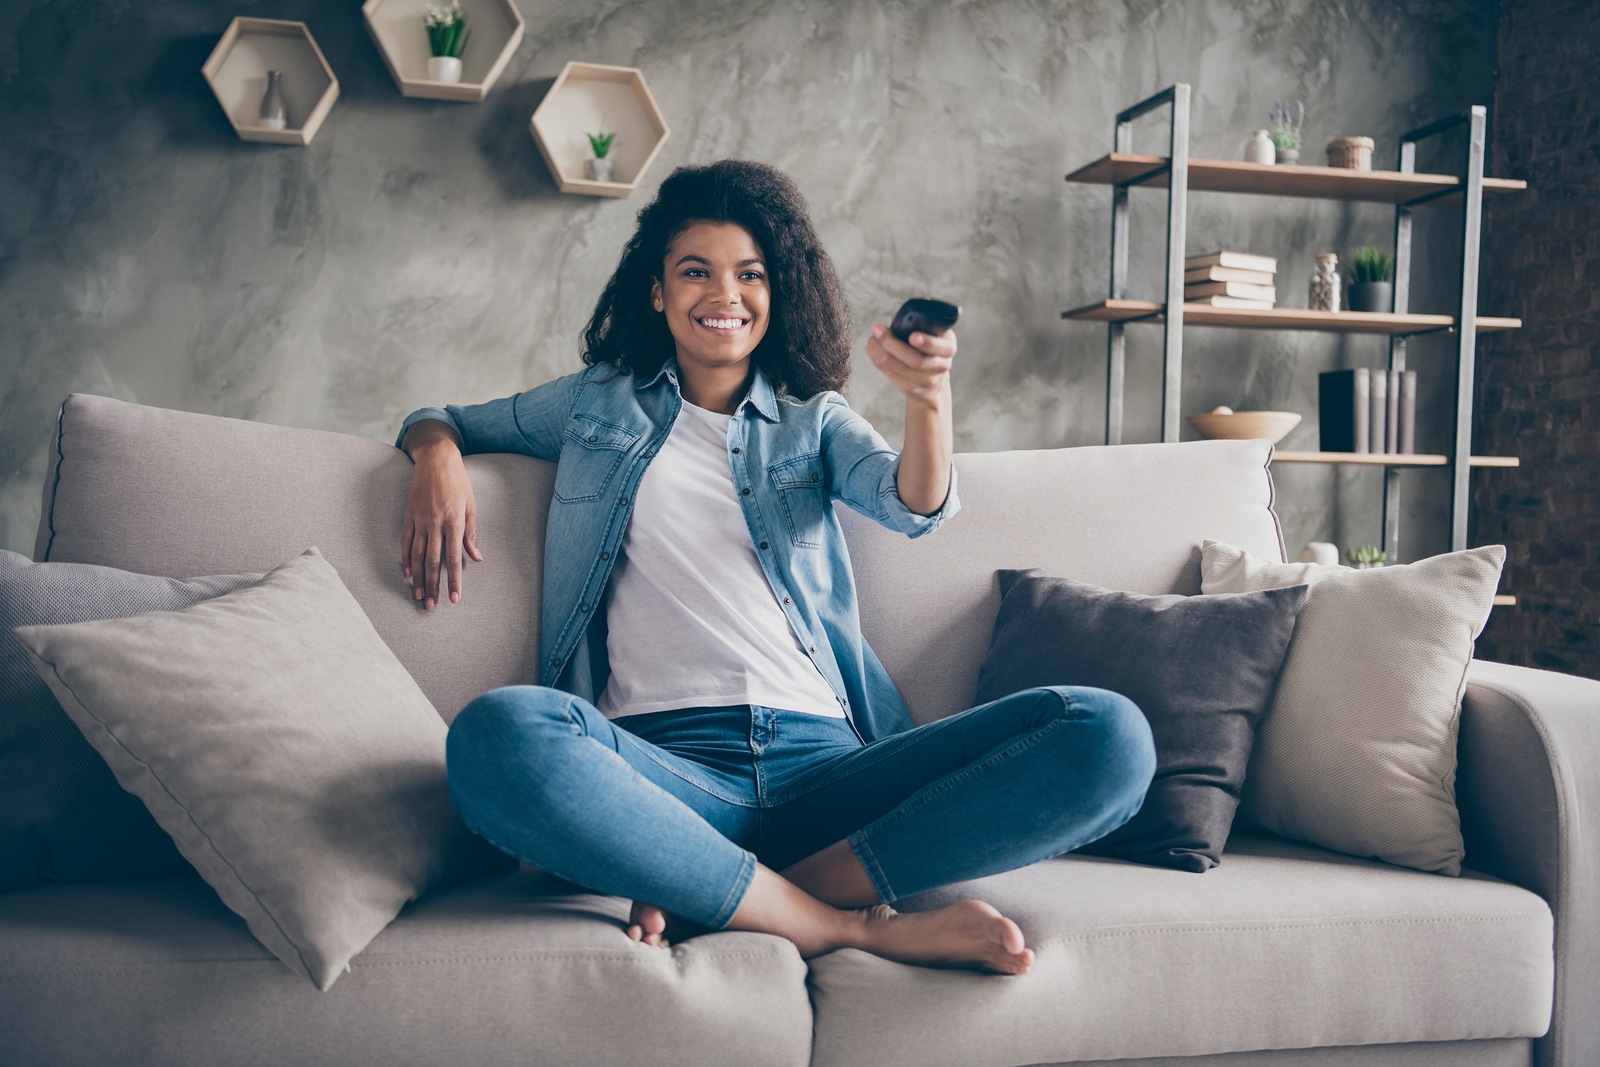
(63,817)
(1202,668)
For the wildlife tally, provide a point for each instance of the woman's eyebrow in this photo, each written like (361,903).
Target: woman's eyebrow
(692,258)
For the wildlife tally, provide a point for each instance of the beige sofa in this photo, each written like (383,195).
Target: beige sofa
(1284,954)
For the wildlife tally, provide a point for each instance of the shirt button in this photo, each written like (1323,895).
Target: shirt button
(605,555)
(763,544)
(736,450)
(813,648)
(649,452)
(746,492)
(593,439)
(622,501)
(816,477)
(583,607)
(786,600)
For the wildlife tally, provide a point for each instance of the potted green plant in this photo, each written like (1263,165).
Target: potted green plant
(599,165)
(447,36)
(1371,276)
(1286,130)
(1366,557)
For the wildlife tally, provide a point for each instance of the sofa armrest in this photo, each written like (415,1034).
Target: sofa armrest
(1528,786)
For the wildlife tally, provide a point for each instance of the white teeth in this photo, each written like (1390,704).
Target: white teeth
(722,324)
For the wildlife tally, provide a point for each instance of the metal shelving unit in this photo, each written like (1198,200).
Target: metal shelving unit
(1404,188)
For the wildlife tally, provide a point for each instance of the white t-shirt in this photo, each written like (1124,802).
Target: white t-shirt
(691,618)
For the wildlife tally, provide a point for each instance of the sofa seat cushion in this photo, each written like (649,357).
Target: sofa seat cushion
(1282,946)
(507,970)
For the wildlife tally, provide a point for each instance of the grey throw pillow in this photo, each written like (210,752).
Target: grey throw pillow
(63,817)
(1201,668)
(293,760)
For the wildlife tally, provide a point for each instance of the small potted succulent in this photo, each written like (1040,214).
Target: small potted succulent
(1371,276)
(1366,557)
(1286,130)
(447,35)
(599,165)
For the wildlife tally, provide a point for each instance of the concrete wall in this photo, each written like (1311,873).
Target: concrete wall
(419,252)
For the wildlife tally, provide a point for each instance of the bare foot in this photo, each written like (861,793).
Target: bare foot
(968,933)
(648,923)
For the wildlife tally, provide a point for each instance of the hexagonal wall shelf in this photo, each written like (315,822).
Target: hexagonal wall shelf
(591,98)
(237,74)
(494,29)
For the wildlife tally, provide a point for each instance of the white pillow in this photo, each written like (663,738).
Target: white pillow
(1357,751)
(293,760)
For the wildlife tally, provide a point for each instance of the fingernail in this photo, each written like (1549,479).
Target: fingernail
(455,598)
(429,605)
(416,594)
(917,338)
(877,329)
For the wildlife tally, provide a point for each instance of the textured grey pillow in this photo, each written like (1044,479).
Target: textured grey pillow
(276,738)
(1358,750)
(63,817)
(1201,668)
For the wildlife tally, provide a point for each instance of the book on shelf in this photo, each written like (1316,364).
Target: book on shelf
(1344,405)
(1230,302)
(1408,412)
(1378,422)
(1240,260)
(1229,274)
(1391,441)
(1268,293)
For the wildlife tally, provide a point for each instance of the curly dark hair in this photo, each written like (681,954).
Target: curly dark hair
(806,349)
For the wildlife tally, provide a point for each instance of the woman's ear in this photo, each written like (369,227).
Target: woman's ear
(655,296)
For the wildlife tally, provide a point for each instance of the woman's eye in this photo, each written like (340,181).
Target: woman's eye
(695,272)
(751,276)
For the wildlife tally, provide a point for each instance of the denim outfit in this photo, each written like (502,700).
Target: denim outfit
(677,807)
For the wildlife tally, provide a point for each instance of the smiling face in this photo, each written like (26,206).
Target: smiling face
(715,296)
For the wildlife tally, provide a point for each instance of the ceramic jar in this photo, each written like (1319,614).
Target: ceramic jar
(444,69)
(599,170)
(1324,289)
(1260,149)
(274,113)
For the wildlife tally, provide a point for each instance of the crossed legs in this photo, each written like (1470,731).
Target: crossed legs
(546,778)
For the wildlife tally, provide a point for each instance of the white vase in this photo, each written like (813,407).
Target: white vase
(599,170)
(1259,149)
(444,69)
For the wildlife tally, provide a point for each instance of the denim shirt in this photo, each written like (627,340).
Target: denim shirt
(790,459)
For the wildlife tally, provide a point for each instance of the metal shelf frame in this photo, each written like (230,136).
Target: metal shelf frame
(1173,174)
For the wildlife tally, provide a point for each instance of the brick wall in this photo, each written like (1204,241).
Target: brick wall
(1540,386)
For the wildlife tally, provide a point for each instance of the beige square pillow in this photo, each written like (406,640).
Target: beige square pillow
(1357,751)
(275,737)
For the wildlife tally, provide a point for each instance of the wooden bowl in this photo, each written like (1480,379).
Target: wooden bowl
(1273,426)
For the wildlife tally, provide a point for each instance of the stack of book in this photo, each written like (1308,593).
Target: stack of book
(1230,280)
(1368,411)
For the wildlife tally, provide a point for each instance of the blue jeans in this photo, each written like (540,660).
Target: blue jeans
(677,807)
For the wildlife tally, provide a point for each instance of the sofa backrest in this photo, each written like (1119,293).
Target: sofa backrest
(179,494)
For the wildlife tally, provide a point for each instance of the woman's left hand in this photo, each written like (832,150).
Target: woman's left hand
(920,369)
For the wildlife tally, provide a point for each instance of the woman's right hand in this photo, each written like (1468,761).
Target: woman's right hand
(441,518)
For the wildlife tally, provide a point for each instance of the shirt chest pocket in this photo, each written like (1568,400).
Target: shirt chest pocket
(803,495)
(591,452)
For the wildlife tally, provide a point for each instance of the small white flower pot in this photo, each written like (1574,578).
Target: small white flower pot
(444,69)
(599,170)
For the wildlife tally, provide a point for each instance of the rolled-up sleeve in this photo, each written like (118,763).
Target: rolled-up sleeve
(863,471)
(529,423)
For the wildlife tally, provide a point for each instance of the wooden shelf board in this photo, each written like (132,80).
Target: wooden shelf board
(1504,601)
(237,73)
(494,30)
(1280,318)
(1321,183)
(1389,459)
(592,96)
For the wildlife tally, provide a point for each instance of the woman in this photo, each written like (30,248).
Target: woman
(712,736)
